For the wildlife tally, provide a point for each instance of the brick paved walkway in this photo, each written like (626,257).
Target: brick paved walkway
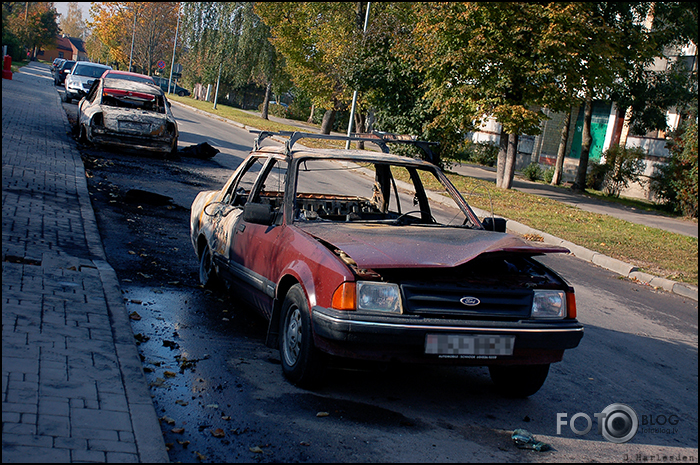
(72,384)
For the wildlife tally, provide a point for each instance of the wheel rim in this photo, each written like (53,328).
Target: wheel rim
(292,336)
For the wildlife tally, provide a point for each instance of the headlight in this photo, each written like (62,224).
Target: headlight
(382,297)
(549,304)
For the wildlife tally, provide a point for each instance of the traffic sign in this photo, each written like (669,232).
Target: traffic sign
(161,64)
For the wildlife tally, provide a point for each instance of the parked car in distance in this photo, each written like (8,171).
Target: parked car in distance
(136,77)
(373,256)
(54,67)
(174,88)
(56,61)
(118,112)
(62,69)
(81,77)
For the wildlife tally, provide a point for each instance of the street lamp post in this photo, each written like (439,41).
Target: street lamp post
(354,94)
(133,34)
(172,64)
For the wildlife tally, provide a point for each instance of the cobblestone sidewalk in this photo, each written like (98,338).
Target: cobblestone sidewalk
(72,384)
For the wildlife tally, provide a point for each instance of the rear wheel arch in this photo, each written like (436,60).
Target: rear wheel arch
(201,244)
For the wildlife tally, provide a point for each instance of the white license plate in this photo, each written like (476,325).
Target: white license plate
(456,344)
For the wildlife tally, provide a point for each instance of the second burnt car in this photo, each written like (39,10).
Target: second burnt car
(118,112)
(374,256)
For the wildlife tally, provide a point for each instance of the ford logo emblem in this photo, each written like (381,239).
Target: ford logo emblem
(470,301)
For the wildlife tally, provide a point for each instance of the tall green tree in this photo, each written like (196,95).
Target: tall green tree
(650,92)
(489,60)
(315,39)
(232,38)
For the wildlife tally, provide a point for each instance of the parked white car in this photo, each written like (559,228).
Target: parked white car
(81,77)
(122,113)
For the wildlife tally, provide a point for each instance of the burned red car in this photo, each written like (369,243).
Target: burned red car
(374,256)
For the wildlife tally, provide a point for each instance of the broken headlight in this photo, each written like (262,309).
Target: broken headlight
(380,297)
(549,304)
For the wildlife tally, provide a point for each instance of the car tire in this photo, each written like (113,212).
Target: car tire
(207,272)
(518,381)
(82,134)
(301,361)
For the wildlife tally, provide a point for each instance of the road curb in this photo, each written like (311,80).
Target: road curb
(612,264)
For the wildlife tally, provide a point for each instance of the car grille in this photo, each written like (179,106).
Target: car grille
(446,301)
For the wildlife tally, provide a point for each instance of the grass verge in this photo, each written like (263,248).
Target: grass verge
(654,251)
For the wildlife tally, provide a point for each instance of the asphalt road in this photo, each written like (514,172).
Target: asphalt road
(209,368)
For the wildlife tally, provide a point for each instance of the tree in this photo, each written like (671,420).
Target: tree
(648,93)
(315,39)
(676,182)
(491,60)
(33,24)
(233,36)
(616,43)
(389,85)
(73,25)
(113,25)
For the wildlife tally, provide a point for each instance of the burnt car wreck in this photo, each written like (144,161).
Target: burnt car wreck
(374,256)
(129,114)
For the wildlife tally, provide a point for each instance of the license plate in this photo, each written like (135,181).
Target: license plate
(455,344)
(133,126)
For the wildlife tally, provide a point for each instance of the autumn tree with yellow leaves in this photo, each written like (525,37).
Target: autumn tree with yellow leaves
(152,25)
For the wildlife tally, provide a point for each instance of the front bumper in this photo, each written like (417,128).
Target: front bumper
(403,337)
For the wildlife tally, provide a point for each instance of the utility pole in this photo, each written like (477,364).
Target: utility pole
(133,34)
(354,94)
(172,64)
(216,94)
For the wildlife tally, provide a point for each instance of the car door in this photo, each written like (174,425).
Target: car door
(222,216)
(256,248)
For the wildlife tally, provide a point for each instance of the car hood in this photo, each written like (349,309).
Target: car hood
(386,246)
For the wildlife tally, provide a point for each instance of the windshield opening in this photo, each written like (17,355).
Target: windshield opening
(333,190)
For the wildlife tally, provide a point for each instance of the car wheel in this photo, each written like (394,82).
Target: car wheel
(300,359)
(181,94)
(82,137)
(207,272)
(518,380)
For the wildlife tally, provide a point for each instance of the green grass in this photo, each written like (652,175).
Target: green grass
(654,251)
(16,65)
(234,114)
